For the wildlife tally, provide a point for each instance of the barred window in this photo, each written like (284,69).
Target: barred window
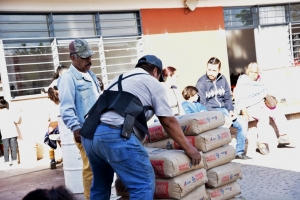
(74,25)
(272,15)
(33,45)
(29,67)
(23,26)
(243,17)
(295,13)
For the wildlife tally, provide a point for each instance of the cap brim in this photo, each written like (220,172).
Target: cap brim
(90,53)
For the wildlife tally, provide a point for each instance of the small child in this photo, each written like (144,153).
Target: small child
(9,132)
(190,94)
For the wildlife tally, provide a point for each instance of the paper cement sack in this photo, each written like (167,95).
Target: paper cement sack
(195,123)
(197,194)
(185,186)
(203,142)
(191,124)
(224,192)
(179,186)
(170,163)
(218,156)
(223,174)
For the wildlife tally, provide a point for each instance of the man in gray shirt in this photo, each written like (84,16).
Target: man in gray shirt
(110,151)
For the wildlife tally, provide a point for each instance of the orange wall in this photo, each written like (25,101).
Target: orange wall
(159,21)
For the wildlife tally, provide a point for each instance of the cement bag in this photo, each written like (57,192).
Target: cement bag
(223,174)
(170,163)
(179,186)
(156,133)
(203,142)
(191,124)
(185,186)
(199,193)
(224,192)
(218,156)
(195,123)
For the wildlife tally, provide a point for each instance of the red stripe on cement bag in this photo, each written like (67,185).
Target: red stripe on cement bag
(179,186)
(156,132)
(191,124)
(224,192)
(170,163)
(199,193)
(218,156)
(223,174)
(203,142)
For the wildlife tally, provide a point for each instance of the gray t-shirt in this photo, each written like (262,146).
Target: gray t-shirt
(148,89)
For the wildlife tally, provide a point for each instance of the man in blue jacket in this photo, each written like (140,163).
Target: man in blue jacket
(78,90)
(215,94)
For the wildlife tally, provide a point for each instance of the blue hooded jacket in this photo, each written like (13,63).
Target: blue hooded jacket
(215,94)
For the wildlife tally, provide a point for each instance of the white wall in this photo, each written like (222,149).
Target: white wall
(189,53)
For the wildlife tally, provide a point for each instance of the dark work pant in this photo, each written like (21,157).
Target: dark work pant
(13,145)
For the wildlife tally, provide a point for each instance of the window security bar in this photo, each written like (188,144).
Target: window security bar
(120,64)
(108,50)
(130,56)
(30,55)
(27,89)
(118,42)
(118,72)
(27,47)
(31,72)
(38,63)
(118,38)
(45,79)
(23,30)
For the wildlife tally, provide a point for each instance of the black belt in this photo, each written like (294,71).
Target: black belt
(111,126)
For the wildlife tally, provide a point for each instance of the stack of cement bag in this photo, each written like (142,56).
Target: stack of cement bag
(214,178)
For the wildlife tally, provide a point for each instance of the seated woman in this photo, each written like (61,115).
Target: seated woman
(252,98)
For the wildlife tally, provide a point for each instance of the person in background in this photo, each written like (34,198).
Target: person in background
(54,112)
(78,90)
(215,94)
(55,193)
(58,72)
(53,107)
(9,132)
(175,100)
(190,105)
(251,95)
(100,83)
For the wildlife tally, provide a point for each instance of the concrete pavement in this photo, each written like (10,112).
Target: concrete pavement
(265,177)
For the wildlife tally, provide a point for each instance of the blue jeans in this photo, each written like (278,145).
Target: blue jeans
(13,145)
(242,127)
(108,152)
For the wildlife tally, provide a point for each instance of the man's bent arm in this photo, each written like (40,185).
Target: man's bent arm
(173,129)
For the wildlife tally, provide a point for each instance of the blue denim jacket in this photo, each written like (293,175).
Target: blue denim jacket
(76,97)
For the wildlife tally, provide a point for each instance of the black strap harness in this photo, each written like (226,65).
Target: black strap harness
(124,103)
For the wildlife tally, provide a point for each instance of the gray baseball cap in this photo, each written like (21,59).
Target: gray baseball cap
(81,48)
(151,59)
